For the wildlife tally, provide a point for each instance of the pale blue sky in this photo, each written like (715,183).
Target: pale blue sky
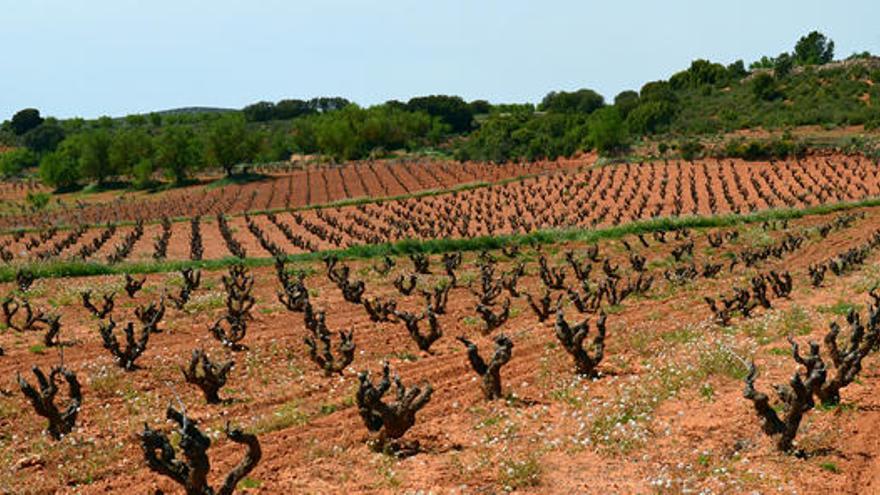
(114,57)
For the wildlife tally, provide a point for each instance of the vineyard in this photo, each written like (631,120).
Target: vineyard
(575,195)
(726,357)
(294,189)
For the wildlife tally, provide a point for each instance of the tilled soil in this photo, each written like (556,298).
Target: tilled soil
(665,416)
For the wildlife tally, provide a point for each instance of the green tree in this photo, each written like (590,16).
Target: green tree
(127,149)
(783,65)
(261,111)
(94,155)
(14,162)
(142,173)
(626,102)
(479,107)
(607,132)
(452,110)
(227,143)
(25,120)
(765,87)
(291,109)
(583,101)
(814,49)
(59,169)
(650,116)
(737,70)
(178,152)
(43,138)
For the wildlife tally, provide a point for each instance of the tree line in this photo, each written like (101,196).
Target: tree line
(705,98)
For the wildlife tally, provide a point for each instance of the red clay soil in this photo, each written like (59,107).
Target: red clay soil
(314,185)
(665,416)
(583,198)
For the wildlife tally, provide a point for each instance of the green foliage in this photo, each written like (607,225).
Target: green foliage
(13,163)
(701,73)
(227,143)
(782,65)
(607,132)
(38,200)
(764,87)
(354,132)
(142,173)
(25,120)
(520,134)
(690,149)
(94,155)
(451,110)
(178,152)
(60,169)
(772,149)
(585,101)
(265,111)
(43,138)
(626,102)
(814,49)
(650,117)
(127,149)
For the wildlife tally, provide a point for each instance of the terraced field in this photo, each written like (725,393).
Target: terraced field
(665,412)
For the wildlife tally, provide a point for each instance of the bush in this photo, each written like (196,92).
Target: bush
(142,173)
(690,149)
(25,120)
(764,87)
(38,200)
(650,117)
(814,49)
(584,101)
(13,163)
(60,170)
(451,110)
(774,149)
(43,138)
(607,132)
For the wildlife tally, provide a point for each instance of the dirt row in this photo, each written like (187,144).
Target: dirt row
(587,198)
(554,434)
(314,185)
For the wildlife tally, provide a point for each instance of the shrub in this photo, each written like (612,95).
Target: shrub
(607,132)
(59,170)
(13,163)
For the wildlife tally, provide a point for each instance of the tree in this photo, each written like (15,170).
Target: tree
(737,70)
(227,143)
(326,104)
(607,132)
(94,155)
(25,120)
(764,87)
(59,169)
(12,163)
(783,65)
(700,73)
(650,116)
(452,110)
(814,49)
(289,109)
(127,149)
(480,107)
(45,137)
(259,112)
(626,102)
(584,101)
(178,152)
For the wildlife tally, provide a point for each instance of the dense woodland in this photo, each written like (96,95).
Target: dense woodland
(804,87)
